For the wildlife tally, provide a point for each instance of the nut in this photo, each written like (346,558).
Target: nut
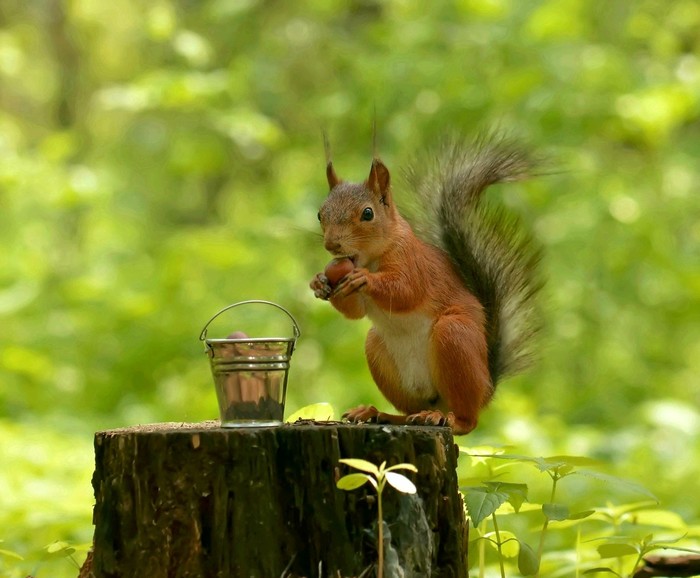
(337,269)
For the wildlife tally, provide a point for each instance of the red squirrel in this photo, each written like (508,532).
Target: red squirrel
(451,314)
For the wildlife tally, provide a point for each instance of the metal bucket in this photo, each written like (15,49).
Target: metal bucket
(250,373)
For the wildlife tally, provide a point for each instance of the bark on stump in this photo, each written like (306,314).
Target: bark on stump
(196,500)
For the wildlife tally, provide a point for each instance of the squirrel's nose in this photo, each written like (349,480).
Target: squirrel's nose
(332,246)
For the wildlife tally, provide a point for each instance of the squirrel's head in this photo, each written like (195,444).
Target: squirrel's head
(358,219)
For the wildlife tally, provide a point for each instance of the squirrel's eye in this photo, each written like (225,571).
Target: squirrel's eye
(318,215)
(367,214)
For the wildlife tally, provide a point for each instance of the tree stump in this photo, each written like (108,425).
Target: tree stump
(197,500)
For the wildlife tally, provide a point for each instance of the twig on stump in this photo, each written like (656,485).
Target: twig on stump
(670,566)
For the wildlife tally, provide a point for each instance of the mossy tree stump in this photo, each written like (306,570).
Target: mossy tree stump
(196,500)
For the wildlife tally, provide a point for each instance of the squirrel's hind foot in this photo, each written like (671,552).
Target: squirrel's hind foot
(437,418)
(430,417)
(370,414)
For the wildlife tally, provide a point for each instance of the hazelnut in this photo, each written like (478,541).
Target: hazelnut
(337,269)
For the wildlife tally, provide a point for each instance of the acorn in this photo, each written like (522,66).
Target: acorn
(337,269)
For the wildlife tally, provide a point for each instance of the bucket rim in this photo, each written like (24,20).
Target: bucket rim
(249,339)
(263,366)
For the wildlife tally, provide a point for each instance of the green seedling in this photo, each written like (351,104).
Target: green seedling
(485,500)
(378,477)
(62,549)
(620,547)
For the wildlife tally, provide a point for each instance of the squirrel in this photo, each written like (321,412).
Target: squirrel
(452,311)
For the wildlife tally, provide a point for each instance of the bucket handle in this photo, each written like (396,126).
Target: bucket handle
(297,333)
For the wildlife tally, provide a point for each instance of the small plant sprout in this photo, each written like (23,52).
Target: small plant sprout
(482,503)
(378,477)
(61,549)
(493,497)
(622,546)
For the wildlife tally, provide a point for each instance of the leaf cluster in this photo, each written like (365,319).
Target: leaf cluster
(487,501)
(376,476)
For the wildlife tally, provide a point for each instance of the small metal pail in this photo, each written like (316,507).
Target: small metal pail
(250,373)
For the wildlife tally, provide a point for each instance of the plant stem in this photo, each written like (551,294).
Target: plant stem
(637,562)
(380,532)
(482,556)
(578,551)
(617,532)
(498,545)
(540,550)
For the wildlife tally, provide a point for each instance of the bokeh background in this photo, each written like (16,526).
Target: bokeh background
(162,159)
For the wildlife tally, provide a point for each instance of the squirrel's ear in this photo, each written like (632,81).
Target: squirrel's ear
(378,180)
(333,179)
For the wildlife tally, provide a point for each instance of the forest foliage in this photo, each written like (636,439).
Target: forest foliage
(160,160)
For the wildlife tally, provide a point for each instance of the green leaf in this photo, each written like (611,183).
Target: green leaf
(362,465)
(410,467)
(514,457)
(656,517)
(528,564)
(555,512)
(315,412)
(10,554)
(619,482)
(564,470)
(612,550)
(560,466)
(481,454)
(59,549)
(481,503)
(56,546)
(516,493)
(614,540)
(400,482)
(84,547)
(581,515)
(508,510)
(573,461)
(352,481)
(600,569)
(625,510)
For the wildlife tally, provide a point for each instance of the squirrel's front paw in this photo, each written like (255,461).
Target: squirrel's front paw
(351,282)
(320,286)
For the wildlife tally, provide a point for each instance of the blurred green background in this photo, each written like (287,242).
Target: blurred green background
(160,160)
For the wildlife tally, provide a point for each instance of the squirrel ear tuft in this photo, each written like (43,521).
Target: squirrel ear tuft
(378,180)
(333,179)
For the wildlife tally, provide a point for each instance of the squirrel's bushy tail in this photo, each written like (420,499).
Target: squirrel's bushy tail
(495,256)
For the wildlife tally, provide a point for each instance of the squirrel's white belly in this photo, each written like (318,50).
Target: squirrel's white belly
(407,340)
